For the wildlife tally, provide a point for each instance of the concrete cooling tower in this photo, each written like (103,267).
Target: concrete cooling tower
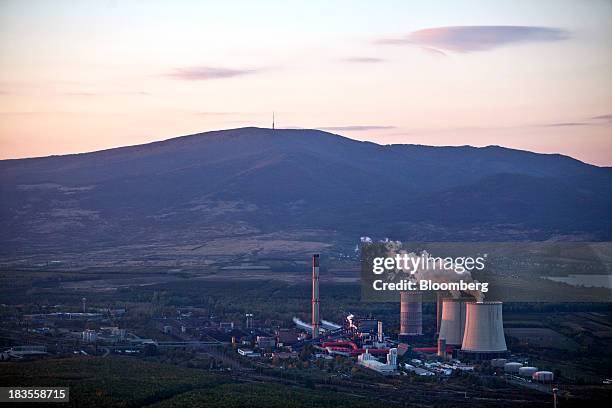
(411,314)
(483,337)
(453,321)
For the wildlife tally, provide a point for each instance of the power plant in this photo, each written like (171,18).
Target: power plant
(411,314)
(316,321)
(465,328)
(483,337)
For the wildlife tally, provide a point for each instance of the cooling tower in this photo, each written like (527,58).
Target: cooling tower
(316,321)
(411,314)
(452,324)
(484,331)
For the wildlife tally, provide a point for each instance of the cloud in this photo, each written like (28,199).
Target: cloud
(355,128)
(434,52)
(607,117)
(216,113)
(363,60)
(208,73)
(126,93)
(80,93)
(565,124)
(477,38)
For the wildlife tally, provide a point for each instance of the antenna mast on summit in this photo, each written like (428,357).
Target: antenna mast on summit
(272,120)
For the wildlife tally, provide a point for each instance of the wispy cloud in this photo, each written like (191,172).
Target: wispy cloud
(363,60)
(565,124)
(434,52)
(607,117)
(110,93)
(80,93)
(208,73)
(355,128)
(476,38)
(216,113)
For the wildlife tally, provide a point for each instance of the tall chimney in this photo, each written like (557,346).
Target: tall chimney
(379,332)
(316,322)
(438,311)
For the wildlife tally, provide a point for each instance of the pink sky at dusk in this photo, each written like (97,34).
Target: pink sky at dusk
(79,76)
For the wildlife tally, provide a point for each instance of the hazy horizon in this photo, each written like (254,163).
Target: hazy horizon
(80,76)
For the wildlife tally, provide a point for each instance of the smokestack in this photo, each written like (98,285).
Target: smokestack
(452,326)
(484,330)
(381,338)
(315,297)
(411,314)
(438,311)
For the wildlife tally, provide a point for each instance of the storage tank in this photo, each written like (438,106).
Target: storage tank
(453,321)
(411,314)
(441,347)
(543,376)
(498,362)
(512,367)
(527,371)
(484,331)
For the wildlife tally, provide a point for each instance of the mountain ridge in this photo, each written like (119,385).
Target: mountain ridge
(254,128)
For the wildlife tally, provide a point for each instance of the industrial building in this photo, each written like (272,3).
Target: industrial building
(90,336)
(248,353)
(422,372)
(265,342)
(467,329)
(369,361)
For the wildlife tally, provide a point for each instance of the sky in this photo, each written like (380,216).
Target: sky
(79,76)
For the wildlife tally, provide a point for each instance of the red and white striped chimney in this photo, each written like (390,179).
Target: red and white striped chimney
(316,322)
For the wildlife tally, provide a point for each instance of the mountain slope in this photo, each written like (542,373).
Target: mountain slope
(257,181)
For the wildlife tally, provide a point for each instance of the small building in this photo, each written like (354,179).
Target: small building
(287,337)
(284,355)
(90,336)
(418,370)
(265,342)
(248,353)
(498,362)
(226,326)
(512,367)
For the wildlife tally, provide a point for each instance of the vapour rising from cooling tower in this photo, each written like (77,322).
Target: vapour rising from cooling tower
(438,274)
